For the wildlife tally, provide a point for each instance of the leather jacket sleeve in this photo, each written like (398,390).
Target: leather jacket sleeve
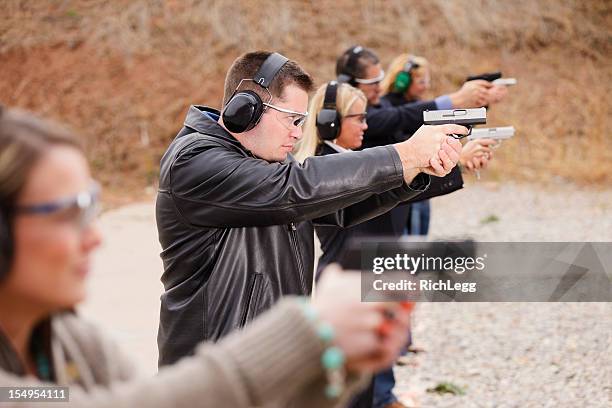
(215,186)
(376,205)
(440,186)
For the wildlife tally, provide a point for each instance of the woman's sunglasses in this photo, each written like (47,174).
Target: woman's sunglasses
(80,209)
(361,117)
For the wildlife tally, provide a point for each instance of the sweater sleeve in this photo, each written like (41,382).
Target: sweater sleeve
(276,358)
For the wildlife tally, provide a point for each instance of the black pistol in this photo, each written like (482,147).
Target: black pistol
(487,76)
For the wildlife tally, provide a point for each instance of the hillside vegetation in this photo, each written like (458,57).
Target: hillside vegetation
(122,73)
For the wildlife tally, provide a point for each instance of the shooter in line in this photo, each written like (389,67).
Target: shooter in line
(235,212)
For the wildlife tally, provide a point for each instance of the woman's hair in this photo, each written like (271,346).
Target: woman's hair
(24,139)
(345,97)
(397,65)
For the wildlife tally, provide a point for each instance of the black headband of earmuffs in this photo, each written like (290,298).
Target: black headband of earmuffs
(5,233)
(348,70)
(328,119)
(268,70)
(244,109)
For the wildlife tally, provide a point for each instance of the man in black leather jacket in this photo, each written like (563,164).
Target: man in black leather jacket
(235,212)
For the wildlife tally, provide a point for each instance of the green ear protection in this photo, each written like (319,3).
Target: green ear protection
(403,79)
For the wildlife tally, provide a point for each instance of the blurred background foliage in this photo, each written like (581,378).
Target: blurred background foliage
(123,73)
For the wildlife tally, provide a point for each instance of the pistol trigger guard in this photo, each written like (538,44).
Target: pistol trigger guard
(497,144)
(459,137)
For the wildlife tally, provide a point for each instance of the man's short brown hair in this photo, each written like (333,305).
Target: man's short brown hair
(247,65)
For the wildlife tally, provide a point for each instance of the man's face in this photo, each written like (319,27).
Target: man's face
(276,133)
(372,91)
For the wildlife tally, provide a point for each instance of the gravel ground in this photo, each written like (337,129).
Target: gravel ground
(515,354)
(503,355)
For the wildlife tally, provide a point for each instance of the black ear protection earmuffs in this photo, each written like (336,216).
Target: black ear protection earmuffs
(403,79)
(244,109)
(328,119)
(348,70)
(6,239)
(6,244)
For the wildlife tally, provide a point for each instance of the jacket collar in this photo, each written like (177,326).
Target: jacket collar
(337,148)
(203,120)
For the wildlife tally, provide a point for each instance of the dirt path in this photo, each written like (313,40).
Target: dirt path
(124,288)
(515,354)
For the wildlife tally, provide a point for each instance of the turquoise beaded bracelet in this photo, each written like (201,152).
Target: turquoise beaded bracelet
(332,358)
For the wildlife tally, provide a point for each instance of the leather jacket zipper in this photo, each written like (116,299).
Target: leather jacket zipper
(254,293)
(298,255)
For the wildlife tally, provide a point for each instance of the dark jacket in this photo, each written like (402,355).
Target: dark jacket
(335,239)
(394,120)
(237,231)
(388,124)
(439,185)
